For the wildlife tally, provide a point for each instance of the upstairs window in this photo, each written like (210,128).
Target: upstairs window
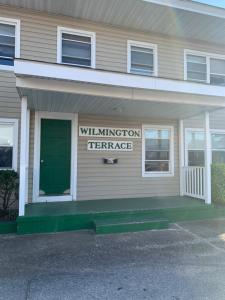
(206,68)
(157,151)
(9,42)
(218,147)
(8,143)
(142,58)
(195,145)
(196,68)
(217,71)
(76,48)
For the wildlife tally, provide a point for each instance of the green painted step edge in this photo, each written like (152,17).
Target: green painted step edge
(126,220)
(131,227)
(42,224)
(8,227)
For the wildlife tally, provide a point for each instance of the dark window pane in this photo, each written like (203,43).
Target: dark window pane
(7,40)
(159,166)
(198,68)
(74,49)
(7,51)
(196,158)
(73,37)
(196,76)
(218,141)
(7,44)
(218,157)
(6,62)
(217,66)
(217,80)
(141,58)
(76,61)
(6,29)
(6,157)
(157,144)
(135,69)
(142,61)
(157,155)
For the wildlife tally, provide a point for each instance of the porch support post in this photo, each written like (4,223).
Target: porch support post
(181,155)
(207,160)
(24,134)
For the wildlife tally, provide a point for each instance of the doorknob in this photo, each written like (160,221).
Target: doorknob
(42,161)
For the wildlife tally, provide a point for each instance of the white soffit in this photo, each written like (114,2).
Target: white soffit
(84,104)
(182,18)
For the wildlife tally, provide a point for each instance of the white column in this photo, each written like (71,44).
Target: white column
(27,153)
(23,156)
(181,155)
(207,160)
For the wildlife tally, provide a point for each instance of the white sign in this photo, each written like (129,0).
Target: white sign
(109,145)
(110,132)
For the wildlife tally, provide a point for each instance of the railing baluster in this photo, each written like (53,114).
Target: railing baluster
(194,181)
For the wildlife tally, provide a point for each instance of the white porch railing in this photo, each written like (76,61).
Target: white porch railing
(194,181)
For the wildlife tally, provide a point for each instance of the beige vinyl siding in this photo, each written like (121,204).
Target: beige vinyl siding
(217,120)
(31,156)
(9,98)
(99,181)
(39,42)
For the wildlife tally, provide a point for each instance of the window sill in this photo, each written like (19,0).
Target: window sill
(6,68)
(157,174)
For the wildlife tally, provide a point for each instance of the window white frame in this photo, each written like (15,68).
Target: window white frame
(14,123)
(92,35)
(207,55)
(187,130)
(170,173)
(39,115)
(153,47)
(212,131)
(216,131)
(16,23)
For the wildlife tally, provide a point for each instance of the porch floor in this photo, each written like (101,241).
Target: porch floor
(110,205)
(114,215)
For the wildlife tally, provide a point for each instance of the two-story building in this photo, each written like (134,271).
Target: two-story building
(111,99)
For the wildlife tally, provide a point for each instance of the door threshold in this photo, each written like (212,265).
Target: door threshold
(54,198)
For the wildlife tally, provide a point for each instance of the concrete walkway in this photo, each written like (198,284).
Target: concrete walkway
(186,261)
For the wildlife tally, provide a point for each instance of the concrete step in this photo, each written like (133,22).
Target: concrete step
(105,226)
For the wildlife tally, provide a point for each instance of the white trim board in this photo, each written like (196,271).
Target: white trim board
(36,168)
(87,75)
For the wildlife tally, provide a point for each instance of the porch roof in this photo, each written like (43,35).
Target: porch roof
(60,88)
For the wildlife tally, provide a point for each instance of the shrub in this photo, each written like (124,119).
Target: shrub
(9,185)
(218,183)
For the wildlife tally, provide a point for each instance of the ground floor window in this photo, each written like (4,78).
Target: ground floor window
(157,150)
(218,147)
(8,143)
(195,147)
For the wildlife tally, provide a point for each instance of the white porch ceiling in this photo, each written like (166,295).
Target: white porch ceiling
(182,18)
(86,104)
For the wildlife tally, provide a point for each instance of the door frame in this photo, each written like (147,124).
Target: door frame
(39,115)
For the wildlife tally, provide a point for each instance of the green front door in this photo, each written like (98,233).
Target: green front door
(55,157)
